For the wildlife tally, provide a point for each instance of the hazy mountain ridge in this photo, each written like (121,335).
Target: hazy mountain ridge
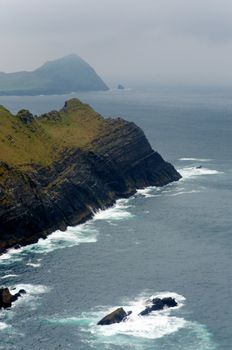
(64,75)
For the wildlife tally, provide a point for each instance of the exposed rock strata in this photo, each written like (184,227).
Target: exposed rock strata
(113,165)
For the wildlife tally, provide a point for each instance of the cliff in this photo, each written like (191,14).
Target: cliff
(57,169)
(61,76)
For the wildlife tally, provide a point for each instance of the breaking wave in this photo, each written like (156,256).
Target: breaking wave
(84,233)
(31,298)
(73,236)
(147,192)
(195,159)
(189,172)
(152,326)
(117,212)
(3,326)
(8,276)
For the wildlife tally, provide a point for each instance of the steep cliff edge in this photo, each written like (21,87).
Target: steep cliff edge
(57,169)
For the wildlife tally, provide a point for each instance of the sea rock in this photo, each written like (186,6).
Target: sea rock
(6,298)
(120,315)
(116,316)
(120,87)
(159,304)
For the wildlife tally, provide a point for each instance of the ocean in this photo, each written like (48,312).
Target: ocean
(169,241)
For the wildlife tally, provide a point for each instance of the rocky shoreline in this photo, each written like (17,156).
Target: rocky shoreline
(112,165)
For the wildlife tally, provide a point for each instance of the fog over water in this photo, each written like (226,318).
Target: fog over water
(162,41)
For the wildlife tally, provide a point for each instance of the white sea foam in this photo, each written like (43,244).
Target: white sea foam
(165,191)
(3,326)
(147,192)
(117,212)
(189,172)
(12,254)
(31,289)
(153,326)
(84,233)
(33,292)
(195,159)
(184,192)
(9,276)
(33,264)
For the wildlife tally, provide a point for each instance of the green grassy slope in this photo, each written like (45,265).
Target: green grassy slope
(44,139)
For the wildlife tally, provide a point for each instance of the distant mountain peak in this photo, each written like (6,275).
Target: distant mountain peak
(60,76)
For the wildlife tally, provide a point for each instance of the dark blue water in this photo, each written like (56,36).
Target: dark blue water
(170,241)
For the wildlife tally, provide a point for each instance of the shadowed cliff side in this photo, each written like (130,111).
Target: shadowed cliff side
(57,169)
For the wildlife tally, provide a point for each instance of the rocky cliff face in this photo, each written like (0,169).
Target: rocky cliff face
(39,198)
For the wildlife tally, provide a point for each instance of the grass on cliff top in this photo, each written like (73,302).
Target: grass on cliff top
(44,140)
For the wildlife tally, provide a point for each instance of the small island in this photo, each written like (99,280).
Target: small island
(57,169)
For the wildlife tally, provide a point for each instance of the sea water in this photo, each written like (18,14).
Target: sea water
(170,241)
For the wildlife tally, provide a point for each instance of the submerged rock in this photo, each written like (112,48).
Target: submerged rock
(6,298)
(159,304)
(116,316)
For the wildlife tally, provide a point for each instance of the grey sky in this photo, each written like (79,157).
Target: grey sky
(180,40)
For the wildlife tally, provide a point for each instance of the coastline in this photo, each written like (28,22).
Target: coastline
(116,162)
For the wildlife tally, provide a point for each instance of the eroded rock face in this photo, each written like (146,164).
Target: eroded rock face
(116,316)
(117,162)
(6,298)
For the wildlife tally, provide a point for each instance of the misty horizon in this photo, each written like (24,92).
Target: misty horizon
(151,41)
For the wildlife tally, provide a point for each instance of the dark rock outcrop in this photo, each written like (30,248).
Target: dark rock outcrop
(120,315)
(159,304)
(6,298)
(25,116)
(116,316)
